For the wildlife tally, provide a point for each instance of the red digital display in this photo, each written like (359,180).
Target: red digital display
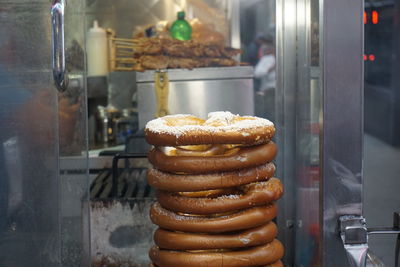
(370,57)
(370,17)
(374,17)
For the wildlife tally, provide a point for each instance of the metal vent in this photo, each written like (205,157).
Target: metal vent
(132,183)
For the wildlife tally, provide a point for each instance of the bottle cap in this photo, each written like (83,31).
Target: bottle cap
(96,28)
(181,15)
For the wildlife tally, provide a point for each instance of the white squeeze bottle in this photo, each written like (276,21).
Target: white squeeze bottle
(97,51)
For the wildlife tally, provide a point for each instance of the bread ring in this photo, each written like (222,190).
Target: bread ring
(275,264)
(255,194)
(184,183)
(189,241)
(241,220)
(220,128)
(246,157)
(255,256)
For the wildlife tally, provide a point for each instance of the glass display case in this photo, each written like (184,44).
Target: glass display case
(73,157)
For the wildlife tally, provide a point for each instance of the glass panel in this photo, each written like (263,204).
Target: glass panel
(381,123)
(248,25)
(74,181)
(29,177)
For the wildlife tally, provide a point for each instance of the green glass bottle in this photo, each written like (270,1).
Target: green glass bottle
(181,29)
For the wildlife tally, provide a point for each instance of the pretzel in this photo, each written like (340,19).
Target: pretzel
(215,195)
(240,220)
(199,182)
(219,128)
(255,256)
(255,194)
(260,235)
(244,157)
(275,264)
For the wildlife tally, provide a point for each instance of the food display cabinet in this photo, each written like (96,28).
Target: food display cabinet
(64,202)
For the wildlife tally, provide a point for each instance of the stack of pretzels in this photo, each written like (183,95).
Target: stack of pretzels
(215,191)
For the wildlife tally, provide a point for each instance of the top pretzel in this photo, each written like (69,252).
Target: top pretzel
(219,128)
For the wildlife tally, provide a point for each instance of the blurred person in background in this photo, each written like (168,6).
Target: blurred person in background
(253,53)
(265,68)
(264,73)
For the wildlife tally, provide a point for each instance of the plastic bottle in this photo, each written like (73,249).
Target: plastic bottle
(181,29)
(97,51)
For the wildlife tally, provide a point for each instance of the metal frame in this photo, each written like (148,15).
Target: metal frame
(285,118)
(342,134)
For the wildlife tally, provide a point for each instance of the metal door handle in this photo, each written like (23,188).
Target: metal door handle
(353,232)
(57,22)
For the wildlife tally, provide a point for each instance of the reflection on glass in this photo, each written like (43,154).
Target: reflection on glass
(29,222)
(72,142)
